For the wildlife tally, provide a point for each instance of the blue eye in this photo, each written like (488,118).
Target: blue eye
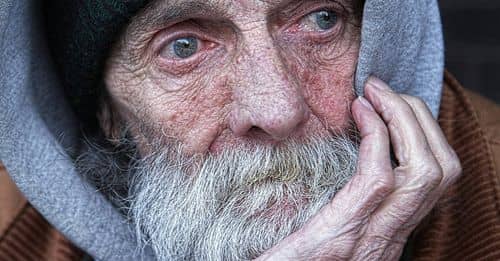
(185,47)
(325,19)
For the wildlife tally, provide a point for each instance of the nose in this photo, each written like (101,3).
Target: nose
(267,98)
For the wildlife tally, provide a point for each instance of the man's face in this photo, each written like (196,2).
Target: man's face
(217,74)
(240,111)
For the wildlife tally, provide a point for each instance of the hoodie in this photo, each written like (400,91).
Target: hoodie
(401,43)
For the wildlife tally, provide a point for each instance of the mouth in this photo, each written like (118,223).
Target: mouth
(274,177)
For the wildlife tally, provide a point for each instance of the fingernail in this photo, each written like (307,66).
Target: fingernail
(365,103)
(377,83)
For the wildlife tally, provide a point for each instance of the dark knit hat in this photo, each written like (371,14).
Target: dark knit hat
(80,35)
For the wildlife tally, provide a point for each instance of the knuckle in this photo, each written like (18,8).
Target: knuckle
(397,115)
(405,108)
(436,176)
(388,224)
(452,168)
(416,102)
(379,130)
(370,248)
(383,185)
(453,165)
(456,169)
(382,130)
(430,175)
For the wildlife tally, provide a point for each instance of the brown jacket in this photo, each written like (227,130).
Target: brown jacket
(465,225)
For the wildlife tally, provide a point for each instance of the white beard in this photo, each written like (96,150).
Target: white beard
(238,204)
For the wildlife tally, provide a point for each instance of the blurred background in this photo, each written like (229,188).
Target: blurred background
(472,41)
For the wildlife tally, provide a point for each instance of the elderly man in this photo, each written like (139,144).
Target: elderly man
(238,130)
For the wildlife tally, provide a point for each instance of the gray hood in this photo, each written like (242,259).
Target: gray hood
(401,44)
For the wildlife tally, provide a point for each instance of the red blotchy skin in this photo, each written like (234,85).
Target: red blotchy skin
(258,78)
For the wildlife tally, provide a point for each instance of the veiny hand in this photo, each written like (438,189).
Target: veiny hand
(373,215)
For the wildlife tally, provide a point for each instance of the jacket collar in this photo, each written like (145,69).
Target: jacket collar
(465,224)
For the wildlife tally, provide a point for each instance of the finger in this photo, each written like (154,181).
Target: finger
(339,225)
(418,168)
(417,162)
(373,160)
(444,153)
(400,213)
(407,137)
(374,149)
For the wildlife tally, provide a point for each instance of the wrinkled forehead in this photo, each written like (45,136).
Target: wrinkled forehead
(163,12)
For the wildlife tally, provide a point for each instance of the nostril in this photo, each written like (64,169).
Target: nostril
(258,134)
(256,131)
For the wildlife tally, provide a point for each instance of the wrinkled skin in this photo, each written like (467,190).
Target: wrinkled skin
(256,68)
(263,74)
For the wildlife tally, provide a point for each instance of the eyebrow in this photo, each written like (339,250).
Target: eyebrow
(160,13)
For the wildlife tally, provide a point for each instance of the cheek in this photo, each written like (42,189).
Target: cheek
(329,97)
(327,78)
(193,115)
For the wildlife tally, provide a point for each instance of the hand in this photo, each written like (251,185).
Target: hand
(373,215)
